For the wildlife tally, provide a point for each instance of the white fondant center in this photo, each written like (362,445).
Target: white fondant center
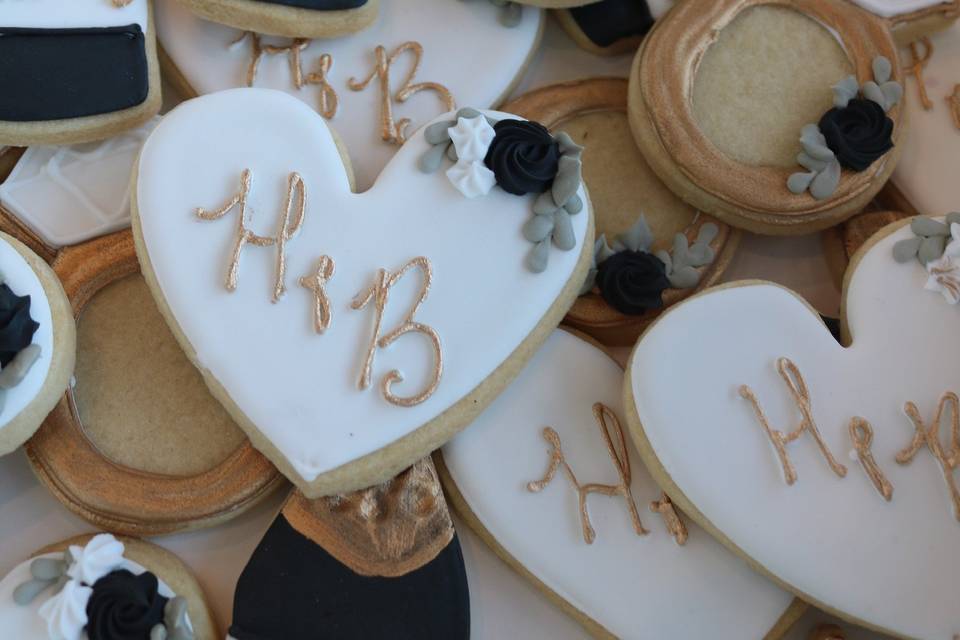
(75,14)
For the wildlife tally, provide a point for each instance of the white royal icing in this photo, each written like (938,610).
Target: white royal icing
(471,139)
(23,281)
(70,194)
(74,14)
(891,564)
(478,62)
(101,555)
(298,387)
(891,8)
(927,171)
(25,622)
(66,612)
(636,586)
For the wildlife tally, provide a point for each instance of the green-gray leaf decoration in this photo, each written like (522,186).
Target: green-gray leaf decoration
(681,263)
(45,573)
(822,175)
(929,241)
(511,13)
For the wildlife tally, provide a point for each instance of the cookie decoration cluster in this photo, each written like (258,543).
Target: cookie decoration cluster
(17,351)
(631,278)
(936,246)
(521,157)
(852,135)
(97,598)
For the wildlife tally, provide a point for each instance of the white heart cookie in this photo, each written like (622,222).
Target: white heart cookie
(295,385)
(838,500)
(637,586)
(477,62)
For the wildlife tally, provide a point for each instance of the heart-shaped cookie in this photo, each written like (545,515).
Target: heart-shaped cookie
(830,467)
(303,336)
(406,68)
(547,479)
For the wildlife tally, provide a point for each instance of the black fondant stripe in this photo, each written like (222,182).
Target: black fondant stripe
(55,74)
(291,589)
(607,21)
(320,5)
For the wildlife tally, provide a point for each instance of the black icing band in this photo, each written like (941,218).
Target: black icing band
(56,74)
(606,22)
(292,589)
(320,5)
(16,325)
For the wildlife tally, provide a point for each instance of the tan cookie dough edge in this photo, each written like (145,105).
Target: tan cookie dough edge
(96,127)
(63,358)
(170,569)
(286,21)
(663,478)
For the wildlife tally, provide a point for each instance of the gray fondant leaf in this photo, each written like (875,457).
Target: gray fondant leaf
(159,632)
(544,204)
(707,233)
(872,91)
(48,568)
(25,593)
(538,257)
(685,278)
(881,69)
(800,181)
(601,250)
(438,132)
(815,144)
(467,112)
(844,91)
(567,146)
(638,237)
(17,369)
(574,205)
(563,236)
(538,228)
(681,254)
(431,160)
(892,93)
(665,258)
(452,152)
(931,249)
(826,181)
(511,14)
(810,163)
(907,249)
(700,253)
(923,226)
(567,182)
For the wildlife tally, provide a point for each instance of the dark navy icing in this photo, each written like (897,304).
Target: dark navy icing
(523,156)
(16,325)
(608,21)
(124,606)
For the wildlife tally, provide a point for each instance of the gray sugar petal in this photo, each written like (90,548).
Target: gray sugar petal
(17,369)
(681,247)
(931,249)
(48,568)
(707,233)
(25,593)
(924,226)
(907,249)
(563,235)
(574,205)
(567,146)
(816,147)
(844,91)
(158,632)
(601,250)
(432,159)
(826,181)
(882,69)
(438,132)
(810,163)
(892,92)
(538,257)
(511,14)
(638,237)
(701,254)
(538,228)
(567,182)
(800,182)
(685,278)
(665,259)
(872,91)
(467,112)
(544,204)
(452,152)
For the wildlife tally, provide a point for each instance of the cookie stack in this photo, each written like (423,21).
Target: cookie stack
(468,318)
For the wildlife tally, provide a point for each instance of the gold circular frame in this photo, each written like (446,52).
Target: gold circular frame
(751,197)
(110,495)
(553,105)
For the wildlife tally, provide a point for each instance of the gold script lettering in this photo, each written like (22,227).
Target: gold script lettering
(931,438)
(675,526)
(316,283)
(861,433)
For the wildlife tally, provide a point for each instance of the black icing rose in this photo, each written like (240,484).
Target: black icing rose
(523,156)
(632,282)
(124,606)
(16,325)
(858,134)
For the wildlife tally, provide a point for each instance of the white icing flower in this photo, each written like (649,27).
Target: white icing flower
(953,249)
(472,179)
(471,138)
(66,612)
(945,278)
(103,554)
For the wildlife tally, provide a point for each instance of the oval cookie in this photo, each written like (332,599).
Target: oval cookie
(138,445)
(623,190)
(547,477)
(745,109)
(776,427)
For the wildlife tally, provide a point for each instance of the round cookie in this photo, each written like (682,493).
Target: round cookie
(745,110)
(139,445)
(623,190)
(119,587)
(39,342)
(76,72)
(611,27)
(876,456)
(554,440)
(375,87)
(341,397)
(290,18)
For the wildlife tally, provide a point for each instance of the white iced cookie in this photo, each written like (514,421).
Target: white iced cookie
(66,195)
(830,467)
(351,334)
(554,440)
(37,342)
(376,86)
